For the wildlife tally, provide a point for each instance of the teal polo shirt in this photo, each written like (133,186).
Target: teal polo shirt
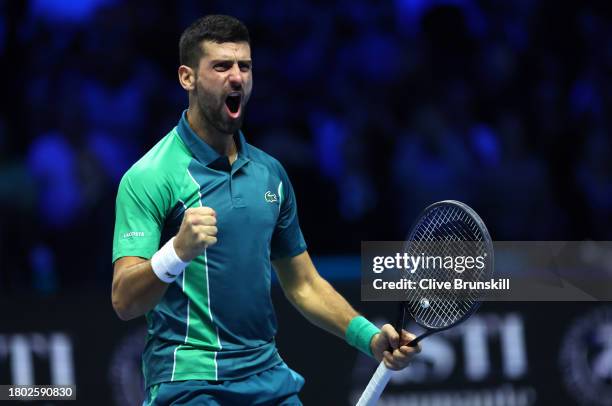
(216,321)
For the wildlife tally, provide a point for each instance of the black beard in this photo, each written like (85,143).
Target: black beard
(212,112)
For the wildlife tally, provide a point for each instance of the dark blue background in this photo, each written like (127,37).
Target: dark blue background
(375,108)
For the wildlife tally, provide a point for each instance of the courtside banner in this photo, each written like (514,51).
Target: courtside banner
(524,271)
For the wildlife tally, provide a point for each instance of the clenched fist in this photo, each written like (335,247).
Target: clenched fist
(198,231)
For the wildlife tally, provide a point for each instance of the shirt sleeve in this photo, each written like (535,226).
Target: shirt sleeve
(287,239)
(139,217)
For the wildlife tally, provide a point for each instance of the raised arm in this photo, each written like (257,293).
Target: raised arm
(139,284)
(136,288)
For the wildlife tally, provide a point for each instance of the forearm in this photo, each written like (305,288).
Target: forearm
(322,305)
(136,290)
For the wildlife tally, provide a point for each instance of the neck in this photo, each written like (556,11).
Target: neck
(222,143)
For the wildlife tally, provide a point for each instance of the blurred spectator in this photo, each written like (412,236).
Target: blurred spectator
(376,110)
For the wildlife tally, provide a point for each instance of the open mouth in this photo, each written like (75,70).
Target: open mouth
(233,104)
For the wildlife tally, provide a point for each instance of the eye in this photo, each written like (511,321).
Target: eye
(245,66)
(222,66)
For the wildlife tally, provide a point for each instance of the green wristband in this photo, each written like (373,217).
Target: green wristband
(359,334)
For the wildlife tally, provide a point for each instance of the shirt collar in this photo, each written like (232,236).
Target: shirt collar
(201,150)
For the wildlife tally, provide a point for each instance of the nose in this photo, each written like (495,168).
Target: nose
(235,77)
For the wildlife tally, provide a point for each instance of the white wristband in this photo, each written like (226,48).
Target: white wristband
(166,264)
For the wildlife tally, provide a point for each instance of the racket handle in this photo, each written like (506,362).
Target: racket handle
(416,341)
(375,387)
(401,318)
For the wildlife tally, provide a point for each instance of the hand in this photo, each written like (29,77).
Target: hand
(197,232)
(387,346)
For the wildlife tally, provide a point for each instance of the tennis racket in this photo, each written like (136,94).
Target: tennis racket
(445,229)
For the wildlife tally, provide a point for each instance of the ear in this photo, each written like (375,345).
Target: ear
(187,78)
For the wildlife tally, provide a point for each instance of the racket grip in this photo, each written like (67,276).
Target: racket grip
(416,341)
(375,387)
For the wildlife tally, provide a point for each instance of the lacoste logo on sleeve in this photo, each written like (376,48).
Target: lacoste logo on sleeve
(133,234)
(270,197)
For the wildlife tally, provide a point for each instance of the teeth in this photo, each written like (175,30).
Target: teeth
(234,94)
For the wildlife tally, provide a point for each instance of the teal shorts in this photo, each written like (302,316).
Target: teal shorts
(278,385)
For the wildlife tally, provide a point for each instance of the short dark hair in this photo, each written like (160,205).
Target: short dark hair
(216,28)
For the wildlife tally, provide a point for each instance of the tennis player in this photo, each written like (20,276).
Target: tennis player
(200,220)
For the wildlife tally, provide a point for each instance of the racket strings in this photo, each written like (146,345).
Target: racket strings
(446,231)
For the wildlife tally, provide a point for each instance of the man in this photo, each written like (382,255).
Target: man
(206,292)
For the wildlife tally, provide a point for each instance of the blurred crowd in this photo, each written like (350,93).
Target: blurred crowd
(376,109)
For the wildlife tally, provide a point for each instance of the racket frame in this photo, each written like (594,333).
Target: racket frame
(401,318)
